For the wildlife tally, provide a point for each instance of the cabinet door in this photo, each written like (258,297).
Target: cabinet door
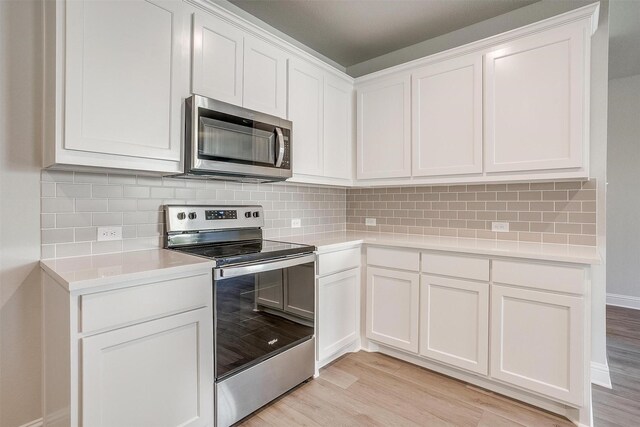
(447,117)
(338,311)
(384,129)
(338,128)
(265,77)
(537,342)
(454,322)
(158,373)
(535,115)
(392,308)
(217,59)
(305,111)
(126,72)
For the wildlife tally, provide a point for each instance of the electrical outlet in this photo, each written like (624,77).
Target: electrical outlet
(500,227)
(295,223)
(370,221)
(109,233)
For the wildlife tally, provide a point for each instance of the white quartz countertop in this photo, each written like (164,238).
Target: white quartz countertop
(539,251)
(84,272)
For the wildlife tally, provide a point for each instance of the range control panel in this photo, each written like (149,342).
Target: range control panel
(221,214)
(180,218)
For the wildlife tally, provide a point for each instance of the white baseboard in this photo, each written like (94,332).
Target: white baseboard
(34,423)
(600,374)
(623,301)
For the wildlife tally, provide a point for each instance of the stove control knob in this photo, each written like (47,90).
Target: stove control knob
(192,215)
(181,216)
(247,214)
(256,214)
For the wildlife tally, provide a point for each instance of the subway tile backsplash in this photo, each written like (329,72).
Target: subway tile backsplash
(551,212)
(74,204)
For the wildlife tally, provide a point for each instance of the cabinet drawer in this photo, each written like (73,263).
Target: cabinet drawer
(456,266)
(393,258)
(334,262)
(541,276)
(112,308)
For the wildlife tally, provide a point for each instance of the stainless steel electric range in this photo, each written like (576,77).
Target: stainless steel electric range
(263,299)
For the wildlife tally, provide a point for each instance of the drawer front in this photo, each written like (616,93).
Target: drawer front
(456,266)
(393,258)
(334,262)
(540,276)
(122,306)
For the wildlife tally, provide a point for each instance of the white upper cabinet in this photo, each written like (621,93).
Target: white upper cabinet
(306,113)
(218,57)
(384,128)
(447,117)
(320,107)
(265,77)
(125,76)
(536,117)
(338,128)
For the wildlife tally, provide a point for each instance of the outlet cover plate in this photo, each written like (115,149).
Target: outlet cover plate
(296,223)
(500,227)
(370,221)
(109,233)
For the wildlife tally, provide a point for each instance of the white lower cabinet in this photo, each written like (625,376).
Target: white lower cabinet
(537,341)
(338,312)
(454,322)
(136,352)
(151,374)
(392,307)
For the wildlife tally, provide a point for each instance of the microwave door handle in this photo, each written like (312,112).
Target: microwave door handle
(280,140)
(261,267)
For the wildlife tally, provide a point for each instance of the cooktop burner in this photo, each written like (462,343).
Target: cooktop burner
(247,251)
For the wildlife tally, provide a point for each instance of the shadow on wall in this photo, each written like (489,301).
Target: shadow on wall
(20,136)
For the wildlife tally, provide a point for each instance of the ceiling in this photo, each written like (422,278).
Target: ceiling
(352,31)
(624,38)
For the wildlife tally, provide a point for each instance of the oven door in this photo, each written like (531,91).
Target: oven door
(261,310)
(233,140)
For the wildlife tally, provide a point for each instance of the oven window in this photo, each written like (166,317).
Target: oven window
(240,143)
(260,315)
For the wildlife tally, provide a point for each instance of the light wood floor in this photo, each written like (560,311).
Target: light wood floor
(370,389)
(620,406)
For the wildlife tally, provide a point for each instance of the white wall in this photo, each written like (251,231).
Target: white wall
(20,118)
(623,203)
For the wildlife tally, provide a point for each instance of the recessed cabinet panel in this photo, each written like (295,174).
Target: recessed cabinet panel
(535,116)
(447,117)
(384,128)
(338,311)
(129,375)
(306,113)
(217,59)
(265,77)
(338,128)
(454,322)
(537,342)
(126,71)
(392,308)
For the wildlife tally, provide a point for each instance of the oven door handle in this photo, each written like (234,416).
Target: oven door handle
(260,267)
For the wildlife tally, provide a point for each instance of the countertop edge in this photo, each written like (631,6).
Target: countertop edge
(571,259)
(102,282)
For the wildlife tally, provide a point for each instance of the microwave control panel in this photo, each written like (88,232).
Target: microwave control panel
(286,159)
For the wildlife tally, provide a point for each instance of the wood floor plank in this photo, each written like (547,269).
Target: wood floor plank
(489,419)
(339,377)
(620,406)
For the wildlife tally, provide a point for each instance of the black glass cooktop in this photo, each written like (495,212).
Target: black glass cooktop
(246,251)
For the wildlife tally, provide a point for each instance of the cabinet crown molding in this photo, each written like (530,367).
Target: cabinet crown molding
(590,12)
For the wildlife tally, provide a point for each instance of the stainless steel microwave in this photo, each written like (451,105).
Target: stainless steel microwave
(225,141)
